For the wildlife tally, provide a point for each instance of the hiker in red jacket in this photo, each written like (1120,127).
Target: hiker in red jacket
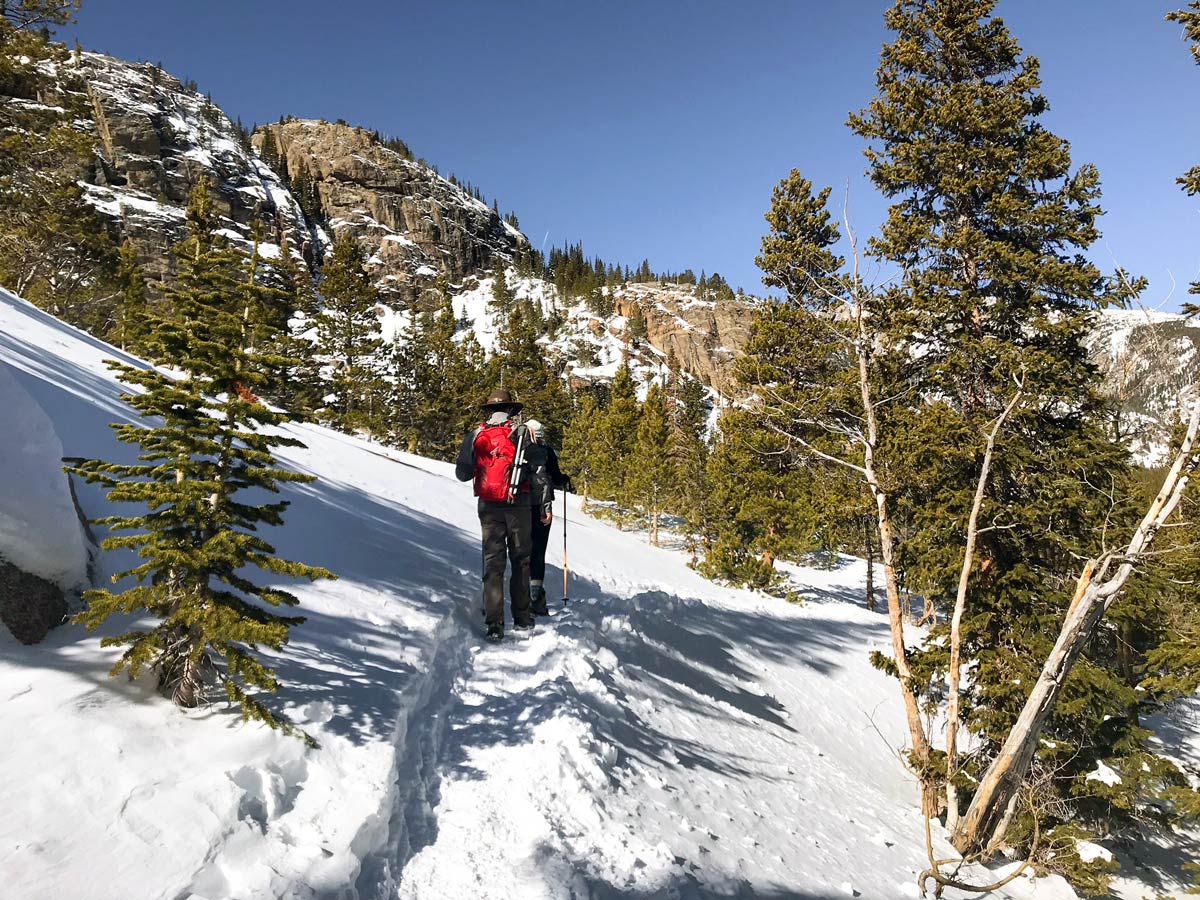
(501,457)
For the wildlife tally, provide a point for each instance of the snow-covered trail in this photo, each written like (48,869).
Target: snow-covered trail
(665,737)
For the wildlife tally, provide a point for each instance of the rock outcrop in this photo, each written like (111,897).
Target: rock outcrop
(29,605)
(155,139)
(417,225)
(705,336)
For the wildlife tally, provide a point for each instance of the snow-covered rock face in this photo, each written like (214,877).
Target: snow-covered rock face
(43,554)
(155,140)
(704,335)
(40,531)
(1146,359)
(417,225)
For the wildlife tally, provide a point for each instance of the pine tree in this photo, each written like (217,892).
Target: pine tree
(297,385)
(455,374)
(55,250)
(637,325)
(989,231)
(349,337)
(132,324)
(755,487)
(503,297)
(615,436)
(579,445)
(206,440)
(525,369)
(690,494)
(650,462)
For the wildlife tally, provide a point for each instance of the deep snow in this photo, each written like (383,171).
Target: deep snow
(40,531)
(664,737)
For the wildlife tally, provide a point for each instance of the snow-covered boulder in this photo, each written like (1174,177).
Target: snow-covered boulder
(43,551)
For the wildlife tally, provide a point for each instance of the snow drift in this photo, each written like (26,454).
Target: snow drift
(40,532)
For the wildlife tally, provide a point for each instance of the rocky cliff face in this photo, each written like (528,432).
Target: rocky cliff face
(1146,360)
(705,336)
(418,226)
(155,139)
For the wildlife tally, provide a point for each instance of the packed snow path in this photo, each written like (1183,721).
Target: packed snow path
(665,737)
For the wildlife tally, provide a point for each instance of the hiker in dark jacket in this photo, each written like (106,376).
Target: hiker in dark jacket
(540,520)
(489,454)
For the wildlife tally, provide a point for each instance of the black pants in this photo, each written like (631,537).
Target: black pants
(506,537)
(541,537)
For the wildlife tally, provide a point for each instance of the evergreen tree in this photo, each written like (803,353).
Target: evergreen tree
(690,493)
(207,440)
(503,296)
(297,385)
(524,368)
(614,439)
(579,444)
(55,250)
(637,325)
(600,302)
(132,324)
(650,463)
(455,374)
(349,337)
(988,231)
(754,488)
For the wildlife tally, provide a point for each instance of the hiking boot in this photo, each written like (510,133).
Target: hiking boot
(538,605)
(495,633)
(523,624)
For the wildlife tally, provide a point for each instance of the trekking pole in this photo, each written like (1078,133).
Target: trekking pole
(565,569)
(514,479)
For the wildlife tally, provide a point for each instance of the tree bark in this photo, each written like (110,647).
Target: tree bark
(954,672)
(869,551)
(982,825)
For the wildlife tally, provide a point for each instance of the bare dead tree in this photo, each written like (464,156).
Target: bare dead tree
(1100,585)
(954,672)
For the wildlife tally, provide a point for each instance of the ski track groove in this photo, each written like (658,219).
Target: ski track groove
(414,795)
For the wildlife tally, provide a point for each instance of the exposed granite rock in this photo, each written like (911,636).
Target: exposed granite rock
(417,225)
(29,606)
(156,139)
(704,335)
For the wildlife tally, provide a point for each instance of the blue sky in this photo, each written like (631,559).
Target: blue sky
(656,129)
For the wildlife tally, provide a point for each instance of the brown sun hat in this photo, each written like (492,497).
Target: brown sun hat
(502,398)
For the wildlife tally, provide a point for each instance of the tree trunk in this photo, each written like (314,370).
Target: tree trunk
(870,554)
(982,825)
(954,673)
(916,728)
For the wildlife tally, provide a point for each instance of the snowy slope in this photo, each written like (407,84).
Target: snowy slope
(40,532)
(665,737)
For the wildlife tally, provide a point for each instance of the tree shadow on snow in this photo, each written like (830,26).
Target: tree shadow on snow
(677,653)
(358,665)
(688,887)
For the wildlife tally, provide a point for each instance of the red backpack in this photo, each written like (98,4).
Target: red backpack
(495,452)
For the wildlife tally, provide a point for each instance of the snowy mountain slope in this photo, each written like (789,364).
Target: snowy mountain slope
(666,737)
(415,225)
(1145,360)
(156,139)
